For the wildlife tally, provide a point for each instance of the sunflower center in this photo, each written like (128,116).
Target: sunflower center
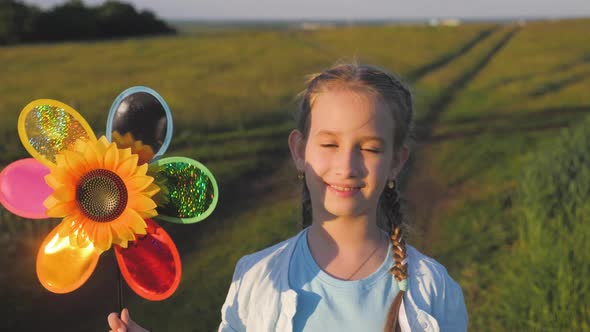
(101,195)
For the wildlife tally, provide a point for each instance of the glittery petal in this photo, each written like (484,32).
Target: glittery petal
(46,127)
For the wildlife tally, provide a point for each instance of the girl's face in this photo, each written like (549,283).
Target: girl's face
(348,156)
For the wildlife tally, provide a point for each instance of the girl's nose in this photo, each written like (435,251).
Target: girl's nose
(349,164)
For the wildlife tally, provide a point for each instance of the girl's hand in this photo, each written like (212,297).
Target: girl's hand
(125,324)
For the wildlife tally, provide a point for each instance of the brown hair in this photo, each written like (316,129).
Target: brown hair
(397,97)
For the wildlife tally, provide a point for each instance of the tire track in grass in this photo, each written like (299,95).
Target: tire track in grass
(427,197)
(418,73)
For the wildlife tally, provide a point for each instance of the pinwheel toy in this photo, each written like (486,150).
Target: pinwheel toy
(106,191)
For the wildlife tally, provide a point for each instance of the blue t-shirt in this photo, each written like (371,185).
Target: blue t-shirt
(325,303)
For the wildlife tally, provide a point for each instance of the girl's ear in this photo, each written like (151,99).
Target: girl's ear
(399,161)
(297,147)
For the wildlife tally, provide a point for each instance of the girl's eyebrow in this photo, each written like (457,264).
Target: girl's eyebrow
(363,138)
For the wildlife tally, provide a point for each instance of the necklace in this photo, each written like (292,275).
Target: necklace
(366,259)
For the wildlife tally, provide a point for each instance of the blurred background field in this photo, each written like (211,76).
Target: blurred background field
(498,185)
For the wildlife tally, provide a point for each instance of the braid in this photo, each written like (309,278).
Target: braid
(306,206)
(391,207)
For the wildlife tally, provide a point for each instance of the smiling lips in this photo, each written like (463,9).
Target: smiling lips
(343,191)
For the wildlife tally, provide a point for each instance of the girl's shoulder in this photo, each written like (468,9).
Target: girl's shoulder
(424,266)
(434,293)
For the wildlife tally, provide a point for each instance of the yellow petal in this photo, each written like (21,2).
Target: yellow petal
(111,157)
(101,146)
(151,190)
(127,166)
(141,203)
(93,161)
(134,221)
(138,183)
(121,234)
(148,213)
(141,169)
(124,153)
(104,237)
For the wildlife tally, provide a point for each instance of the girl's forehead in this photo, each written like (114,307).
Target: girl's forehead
(345,112)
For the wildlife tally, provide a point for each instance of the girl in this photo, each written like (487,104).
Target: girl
(349,269)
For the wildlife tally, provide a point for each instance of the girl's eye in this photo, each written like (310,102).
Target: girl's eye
(372,150)
(328,145)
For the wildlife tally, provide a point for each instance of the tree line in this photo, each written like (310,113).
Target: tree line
(73,20)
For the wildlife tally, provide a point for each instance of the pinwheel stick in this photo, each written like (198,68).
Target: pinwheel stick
(119,288)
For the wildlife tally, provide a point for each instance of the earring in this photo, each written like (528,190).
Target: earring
(301,176)
(391,184)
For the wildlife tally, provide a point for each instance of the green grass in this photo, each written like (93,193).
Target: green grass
(231,93)
(483,142)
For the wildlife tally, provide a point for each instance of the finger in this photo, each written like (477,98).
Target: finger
(125,316)
(114,321)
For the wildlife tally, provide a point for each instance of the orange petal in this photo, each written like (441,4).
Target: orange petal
(60,160)
(61,267)
(61,209)
(76,162)
(63,176)
(50,201)
(65,194)
(52,181)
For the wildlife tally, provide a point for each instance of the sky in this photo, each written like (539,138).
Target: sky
(350,9)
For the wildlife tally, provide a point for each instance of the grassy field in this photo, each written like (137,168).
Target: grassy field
(486,97)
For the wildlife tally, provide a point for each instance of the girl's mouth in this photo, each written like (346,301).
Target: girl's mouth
(343,191)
